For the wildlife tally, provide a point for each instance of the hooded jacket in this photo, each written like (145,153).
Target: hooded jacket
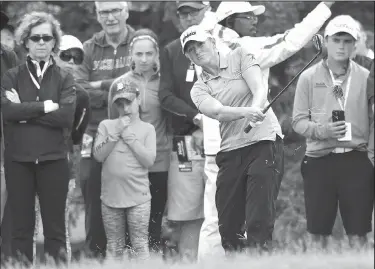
(102,62)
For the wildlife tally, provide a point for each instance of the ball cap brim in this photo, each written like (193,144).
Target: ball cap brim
(193,33)
(195,5)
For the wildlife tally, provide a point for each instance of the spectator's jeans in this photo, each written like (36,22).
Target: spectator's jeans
(158,189)
(48,179)
(91,188)
(248,183)
(115,222)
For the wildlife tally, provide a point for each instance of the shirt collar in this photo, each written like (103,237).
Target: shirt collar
(223,64)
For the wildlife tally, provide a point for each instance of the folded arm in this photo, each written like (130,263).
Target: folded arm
(18,111)
(64,116)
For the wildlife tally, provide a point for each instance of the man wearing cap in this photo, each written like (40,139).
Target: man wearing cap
(8,60)
(106,58)
(186,178)
(331,110)
(242,17)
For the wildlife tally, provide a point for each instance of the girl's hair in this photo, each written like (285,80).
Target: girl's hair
(33,19)
(145,34)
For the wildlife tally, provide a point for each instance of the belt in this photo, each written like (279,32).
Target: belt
(341,150)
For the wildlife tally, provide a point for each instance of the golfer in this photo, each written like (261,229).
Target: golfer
(230,89)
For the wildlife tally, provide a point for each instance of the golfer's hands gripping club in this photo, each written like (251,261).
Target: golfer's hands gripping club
(254,115)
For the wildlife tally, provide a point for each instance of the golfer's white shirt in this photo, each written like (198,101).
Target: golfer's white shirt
(270,51)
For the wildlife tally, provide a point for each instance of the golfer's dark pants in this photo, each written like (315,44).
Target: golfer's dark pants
(248,183)
(344,181)
(49,180)
(158,189)
(96,240)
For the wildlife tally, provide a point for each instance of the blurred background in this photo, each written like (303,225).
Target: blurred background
(79,19)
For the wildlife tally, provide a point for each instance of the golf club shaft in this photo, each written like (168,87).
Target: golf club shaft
(249,127)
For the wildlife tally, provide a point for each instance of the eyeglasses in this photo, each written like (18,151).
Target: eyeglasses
(193,13)
(115,12)
(37,38)
(67,55)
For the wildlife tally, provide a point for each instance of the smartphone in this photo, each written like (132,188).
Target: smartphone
(338,115)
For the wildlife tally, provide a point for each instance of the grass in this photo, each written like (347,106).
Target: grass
(282,260)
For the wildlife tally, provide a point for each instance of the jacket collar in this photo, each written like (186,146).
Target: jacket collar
(223,64)
(101,40)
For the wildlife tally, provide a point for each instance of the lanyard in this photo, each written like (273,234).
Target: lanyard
(39,73)
(335,82)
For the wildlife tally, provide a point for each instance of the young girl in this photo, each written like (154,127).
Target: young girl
(144,73)
(127,147)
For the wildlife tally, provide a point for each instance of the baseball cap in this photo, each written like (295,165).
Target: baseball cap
(342,23)
(125,89)
(70,42)
(226,9)
(193,33)
(4,19)
(192,4)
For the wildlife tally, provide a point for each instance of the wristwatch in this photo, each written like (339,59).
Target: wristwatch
(197,119)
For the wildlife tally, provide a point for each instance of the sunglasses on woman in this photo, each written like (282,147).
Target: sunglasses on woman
(37,38)
(67,55)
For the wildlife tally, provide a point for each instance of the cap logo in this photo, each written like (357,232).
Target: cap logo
(188,35)
(343,25)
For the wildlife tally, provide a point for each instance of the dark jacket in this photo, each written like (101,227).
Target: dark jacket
(8,60)
(174,93)
(81,116)
(102,62)
(30,134)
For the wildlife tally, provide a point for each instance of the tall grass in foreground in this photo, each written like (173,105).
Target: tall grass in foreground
(303,255)
(309,260)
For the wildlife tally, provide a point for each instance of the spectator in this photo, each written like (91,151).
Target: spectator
(336,169)
(229,79)
(7,37)
(8,60)
(363,54)
(185,189)
(106,58)
(145,74)
(70,56)
(127,147)
(242,17)
(36,150)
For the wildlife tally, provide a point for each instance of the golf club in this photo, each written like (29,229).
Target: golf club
(318,44)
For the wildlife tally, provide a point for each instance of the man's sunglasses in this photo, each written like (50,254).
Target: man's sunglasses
(67,55)
(37,38)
